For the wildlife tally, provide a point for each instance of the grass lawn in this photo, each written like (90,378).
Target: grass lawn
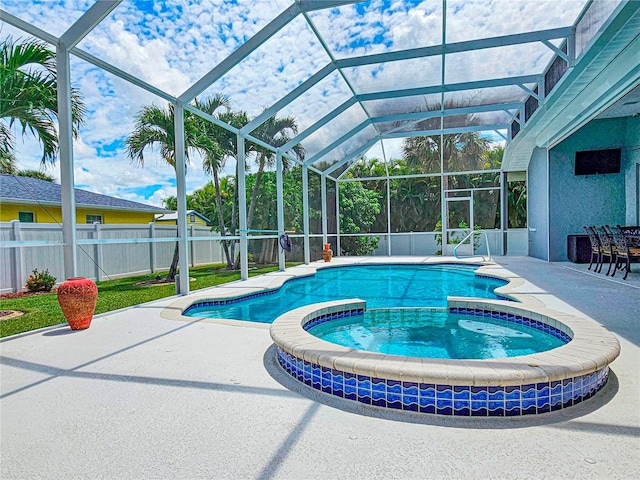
(43,310)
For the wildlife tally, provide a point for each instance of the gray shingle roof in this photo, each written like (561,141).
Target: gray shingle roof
(16,189)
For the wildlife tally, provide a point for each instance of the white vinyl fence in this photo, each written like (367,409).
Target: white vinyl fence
(104,251)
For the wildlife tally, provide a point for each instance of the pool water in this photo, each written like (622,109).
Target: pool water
(381,286)
(435,333)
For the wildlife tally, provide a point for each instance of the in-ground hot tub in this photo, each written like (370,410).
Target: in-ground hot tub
(510,386)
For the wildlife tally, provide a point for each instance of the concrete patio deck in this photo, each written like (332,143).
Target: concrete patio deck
(141,396)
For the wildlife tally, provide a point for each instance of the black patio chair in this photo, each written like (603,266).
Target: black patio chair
(607,248)
(596,248)
(626,251)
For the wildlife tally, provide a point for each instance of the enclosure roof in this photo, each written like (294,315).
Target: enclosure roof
(352,73)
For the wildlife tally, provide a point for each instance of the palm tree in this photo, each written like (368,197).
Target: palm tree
(155,127)
(217,144)
(29,96)
(276,132)
(36,174)
(461,152)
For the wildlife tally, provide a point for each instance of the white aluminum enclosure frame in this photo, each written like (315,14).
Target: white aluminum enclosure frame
(66,45)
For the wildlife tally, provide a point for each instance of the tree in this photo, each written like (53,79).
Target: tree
(36,174)
(218,144)
(358,210)
(155,127)
(29,84)
(276,132)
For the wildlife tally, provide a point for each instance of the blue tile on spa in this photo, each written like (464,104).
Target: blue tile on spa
(409,400)
(514,412)
(512,392)
(444,394)
(511,405)
(427,409)
(395,387)
(461,393)
(394,397)
(556,399)
(379,387)
(394,405)
(496,396)
(412,407)
(350,396)
(412,390)
(528,392)
(427,401)
(544,391)
(479,394)
(480,412)
(427,391)
(445,411)
(379,402)
(544,409)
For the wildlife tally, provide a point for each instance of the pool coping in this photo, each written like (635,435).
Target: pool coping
(592,347)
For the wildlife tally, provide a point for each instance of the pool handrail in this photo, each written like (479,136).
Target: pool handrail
(470,235)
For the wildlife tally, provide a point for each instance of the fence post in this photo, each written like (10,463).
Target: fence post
(152,247)
(191,245)
(18,274)
(97,251)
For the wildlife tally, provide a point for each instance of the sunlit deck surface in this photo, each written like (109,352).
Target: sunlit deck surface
(141,396)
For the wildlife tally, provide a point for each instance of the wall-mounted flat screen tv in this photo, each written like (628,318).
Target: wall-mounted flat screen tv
(598,162)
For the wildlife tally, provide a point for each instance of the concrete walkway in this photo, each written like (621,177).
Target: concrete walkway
(140,396)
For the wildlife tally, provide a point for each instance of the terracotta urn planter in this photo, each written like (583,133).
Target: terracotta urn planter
(327,253)
(77,297)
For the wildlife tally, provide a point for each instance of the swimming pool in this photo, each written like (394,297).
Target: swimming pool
(523,385)
(382,286)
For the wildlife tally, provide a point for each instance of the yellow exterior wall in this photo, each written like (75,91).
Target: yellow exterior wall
(53,214)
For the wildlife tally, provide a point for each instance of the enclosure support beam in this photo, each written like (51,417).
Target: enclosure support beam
(87,22)
(337,252)
(305,213)
(388,217)
(242,210)
(181,196)
(504,211)
(323,195)
(280,208)
(67,183)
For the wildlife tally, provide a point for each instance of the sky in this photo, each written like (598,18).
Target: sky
(171,44)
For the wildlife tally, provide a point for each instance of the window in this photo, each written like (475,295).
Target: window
(94,218)
(27,217)
(192,218)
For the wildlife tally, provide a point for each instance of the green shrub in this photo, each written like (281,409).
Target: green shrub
(40,281)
